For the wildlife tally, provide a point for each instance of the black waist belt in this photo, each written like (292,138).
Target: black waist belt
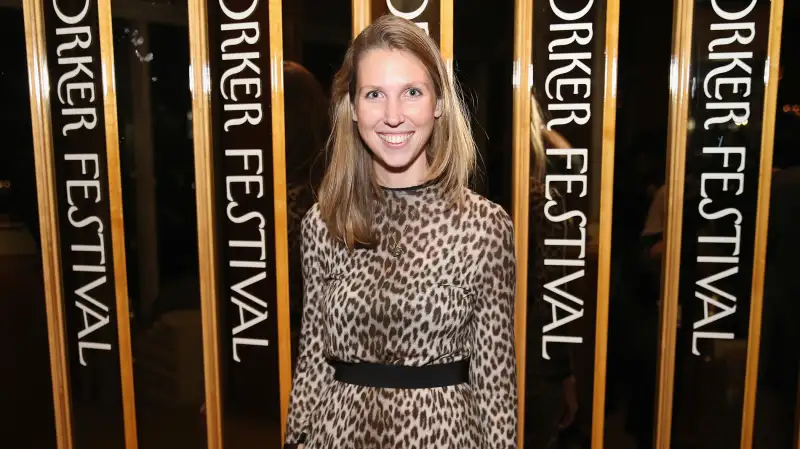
(400,376)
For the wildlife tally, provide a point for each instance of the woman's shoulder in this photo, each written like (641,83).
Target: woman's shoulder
(313,226)
(487,214)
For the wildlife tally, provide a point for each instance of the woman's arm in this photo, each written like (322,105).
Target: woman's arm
(493,365)
(312,373)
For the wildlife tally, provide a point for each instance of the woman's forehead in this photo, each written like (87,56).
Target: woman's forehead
(391,68)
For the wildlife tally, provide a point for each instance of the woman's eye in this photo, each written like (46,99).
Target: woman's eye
(372,95)
(414,92)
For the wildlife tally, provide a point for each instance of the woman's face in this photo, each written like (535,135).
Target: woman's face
(395,108)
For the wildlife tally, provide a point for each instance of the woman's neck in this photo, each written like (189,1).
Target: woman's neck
(411,176)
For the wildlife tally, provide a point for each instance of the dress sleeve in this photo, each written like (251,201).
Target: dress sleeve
(312,373)
(493,373)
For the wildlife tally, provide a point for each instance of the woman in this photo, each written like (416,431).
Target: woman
(407,339)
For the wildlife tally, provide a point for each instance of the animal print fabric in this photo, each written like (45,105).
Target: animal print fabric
(449,296)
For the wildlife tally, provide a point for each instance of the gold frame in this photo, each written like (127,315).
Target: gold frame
(117,222)
(762,222)
(361,14)
(521,168)
(38,84)
(606,210)
(446,33)
(676,167)
(206,215)
(280,206)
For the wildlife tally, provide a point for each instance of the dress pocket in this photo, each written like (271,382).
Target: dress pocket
(440,309)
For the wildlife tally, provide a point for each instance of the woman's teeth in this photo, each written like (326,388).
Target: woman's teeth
(395,139)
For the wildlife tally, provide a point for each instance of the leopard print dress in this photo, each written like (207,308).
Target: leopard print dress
(449,296)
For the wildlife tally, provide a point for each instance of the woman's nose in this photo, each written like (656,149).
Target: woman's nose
(393,115)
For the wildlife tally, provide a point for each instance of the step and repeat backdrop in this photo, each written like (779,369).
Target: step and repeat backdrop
(162,155)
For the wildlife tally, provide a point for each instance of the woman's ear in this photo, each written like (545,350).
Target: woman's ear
(438,111)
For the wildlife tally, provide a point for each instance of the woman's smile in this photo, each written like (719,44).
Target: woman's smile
(396,140)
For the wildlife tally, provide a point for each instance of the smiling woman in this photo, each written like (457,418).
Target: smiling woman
(392,81)
(407,337)
(395,108)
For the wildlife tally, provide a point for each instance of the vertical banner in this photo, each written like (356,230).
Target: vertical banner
(571,185)
(243,232)
(723,162)
(427,14)
(723,154)
(712,259)
(83,222)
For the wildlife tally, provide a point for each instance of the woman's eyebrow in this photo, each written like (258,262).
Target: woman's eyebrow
(404,86)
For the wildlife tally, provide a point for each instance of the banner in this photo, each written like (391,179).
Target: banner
(241,118)
(84,226)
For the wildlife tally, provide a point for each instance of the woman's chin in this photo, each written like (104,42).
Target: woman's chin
(395,166)
(396,162)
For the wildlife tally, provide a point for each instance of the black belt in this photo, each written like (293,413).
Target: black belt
(401,376)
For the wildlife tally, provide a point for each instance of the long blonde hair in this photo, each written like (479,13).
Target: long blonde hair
(349,188)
